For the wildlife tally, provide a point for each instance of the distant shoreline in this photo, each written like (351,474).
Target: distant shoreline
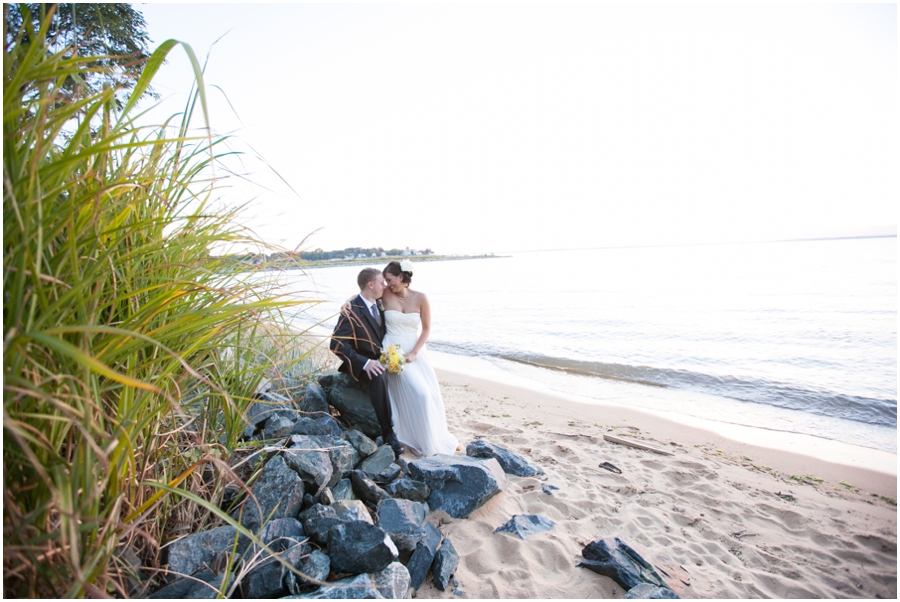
(333,263)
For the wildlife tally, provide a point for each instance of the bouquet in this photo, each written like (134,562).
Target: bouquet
(393,359)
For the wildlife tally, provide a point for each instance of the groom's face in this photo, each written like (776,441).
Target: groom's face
(377,285)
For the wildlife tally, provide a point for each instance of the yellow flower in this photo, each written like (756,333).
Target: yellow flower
(393,359)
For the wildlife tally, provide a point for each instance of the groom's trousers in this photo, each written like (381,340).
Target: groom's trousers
(378,394)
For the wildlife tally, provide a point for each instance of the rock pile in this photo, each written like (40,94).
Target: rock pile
(332,505)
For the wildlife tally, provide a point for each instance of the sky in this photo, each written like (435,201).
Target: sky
(497,127)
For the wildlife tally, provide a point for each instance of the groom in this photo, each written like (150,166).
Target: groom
(357,341)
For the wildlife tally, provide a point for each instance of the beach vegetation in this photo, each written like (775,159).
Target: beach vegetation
(847,485)
(130,353)
(888,500)
(807,479)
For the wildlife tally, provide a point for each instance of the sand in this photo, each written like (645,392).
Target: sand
(721,518)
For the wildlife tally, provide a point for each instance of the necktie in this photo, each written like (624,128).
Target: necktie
(376,314)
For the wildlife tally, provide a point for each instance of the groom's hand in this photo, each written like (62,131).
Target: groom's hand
(373,368)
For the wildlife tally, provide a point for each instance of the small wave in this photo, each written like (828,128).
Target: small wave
(867,410)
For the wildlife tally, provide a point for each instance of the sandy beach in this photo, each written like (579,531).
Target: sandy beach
(721,518)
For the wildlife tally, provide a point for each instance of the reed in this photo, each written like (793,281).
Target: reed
(130,352)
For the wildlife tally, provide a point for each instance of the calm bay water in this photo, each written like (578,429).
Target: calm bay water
(792,336)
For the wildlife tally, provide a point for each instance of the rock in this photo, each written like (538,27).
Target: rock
(459,484)
(352,510)
(342,454)
(377,462)
(365,446)
(645,591)
(268,405)
(266,579)
(326,381)
(278,489)
(615,559)
(392,582)
(206,548)
(360,547)
(343,490)
(313,465)
(277,427)
(445,563)
(549,489)
(510,463)
(526,524)
(380,466)
(319,425)
(423,557)
(318,520)
(404,521)
(355,405)
(325,497)
(365,489)
(313,399)
(207,588)
(315,569)
(408,489)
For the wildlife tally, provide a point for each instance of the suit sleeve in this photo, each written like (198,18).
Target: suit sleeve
(345,333)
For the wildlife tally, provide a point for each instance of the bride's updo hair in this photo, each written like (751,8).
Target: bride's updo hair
(393,268)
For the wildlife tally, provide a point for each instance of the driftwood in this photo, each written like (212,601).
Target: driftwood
(637,444)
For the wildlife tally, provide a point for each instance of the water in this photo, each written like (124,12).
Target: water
(794,336)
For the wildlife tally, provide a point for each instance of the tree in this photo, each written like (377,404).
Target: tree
(114,33)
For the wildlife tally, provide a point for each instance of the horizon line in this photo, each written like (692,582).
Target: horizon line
(706,244)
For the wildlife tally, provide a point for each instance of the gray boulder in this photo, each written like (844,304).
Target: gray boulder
(459,484)
(312,465)
(355,405)
(313,399)
(325,497)
(445,564)
(349,511)
(510,463)
(645,591)
(278,427)
(277,493)
(524,525)
(342,455)
(423,557)
(343,490)
(207,588)
(615,559)
(365,446)
(268,578)
(315,569)
(207,548)
(366,489)
(319,519)
(408,489)
(378,463)
(316,425)
(360,547)
(404,521)
(269,404)
(391,583)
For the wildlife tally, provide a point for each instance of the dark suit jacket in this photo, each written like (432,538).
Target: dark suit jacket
(357,339)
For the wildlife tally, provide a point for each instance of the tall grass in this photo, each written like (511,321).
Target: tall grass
(129,350)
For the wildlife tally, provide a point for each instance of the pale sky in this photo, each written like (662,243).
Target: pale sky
(497,127)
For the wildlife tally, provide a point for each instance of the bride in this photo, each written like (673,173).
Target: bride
(415,396)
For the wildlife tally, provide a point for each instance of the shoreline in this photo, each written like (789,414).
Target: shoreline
(719,518)
(866,468)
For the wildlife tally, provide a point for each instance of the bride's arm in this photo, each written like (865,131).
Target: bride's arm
(425,309)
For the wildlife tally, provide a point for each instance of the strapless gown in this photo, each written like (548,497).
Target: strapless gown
(415,395)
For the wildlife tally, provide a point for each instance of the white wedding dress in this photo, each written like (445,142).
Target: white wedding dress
(415,395)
